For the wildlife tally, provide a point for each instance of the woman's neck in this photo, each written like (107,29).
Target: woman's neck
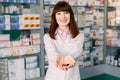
(63,28)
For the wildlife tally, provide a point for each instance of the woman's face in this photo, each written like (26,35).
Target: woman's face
(62,18)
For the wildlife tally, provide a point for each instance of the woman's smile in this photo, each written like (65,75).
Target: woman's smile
(63,20)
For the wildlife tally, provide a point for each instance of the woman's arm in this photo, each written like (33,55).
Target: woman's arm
(50,48)
(53,55)
(77,46)
(75,49)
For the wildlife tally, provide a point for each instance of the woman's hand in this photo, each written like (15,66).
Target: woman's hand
(64,63)
(59,62)
(69,60)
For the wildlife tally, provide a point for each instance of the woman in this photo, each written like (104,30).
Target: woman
(63,44)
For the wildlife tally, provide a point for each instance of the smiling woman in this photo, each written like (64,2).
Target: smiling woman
(63,44)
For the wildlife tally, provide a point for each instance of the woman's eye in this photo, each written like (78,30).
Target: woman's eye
(58,13)
(66,12)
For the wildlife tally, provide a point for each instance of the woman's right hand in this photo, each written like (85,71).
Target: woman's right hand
(59,62)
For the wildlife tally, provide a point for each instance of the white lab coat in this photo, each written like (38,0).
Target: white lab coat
(71,47)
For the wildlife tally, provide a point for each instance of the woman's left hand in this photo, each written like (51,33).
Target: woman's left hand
(69,61)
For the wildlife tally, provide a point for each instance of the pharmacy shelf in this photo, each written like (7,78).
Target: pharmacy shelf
(111,8)
(11,13)
(15,3)
(20,56)
(113,24)
(34,8)
(49,4)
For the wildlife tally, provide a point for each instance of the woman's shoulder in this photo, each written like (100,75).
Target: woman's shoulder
(80,35)
(79,38)
(46,35)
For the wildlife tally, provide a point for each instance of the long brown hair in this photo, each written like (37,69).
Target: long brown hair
(63,6)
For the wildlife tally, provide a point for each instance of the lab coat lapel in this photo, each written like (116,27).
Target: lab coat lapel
(59,43)
(62,45)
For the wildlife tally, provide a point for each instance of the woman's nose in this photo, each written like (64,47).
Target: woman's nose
(63,15)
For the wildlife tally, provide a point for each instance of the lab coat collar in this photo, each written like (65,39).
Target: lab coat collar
(59,32)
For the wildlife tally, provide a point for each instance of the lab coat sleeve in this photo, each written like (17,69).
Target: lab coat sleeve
(50,48)
(77,46)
